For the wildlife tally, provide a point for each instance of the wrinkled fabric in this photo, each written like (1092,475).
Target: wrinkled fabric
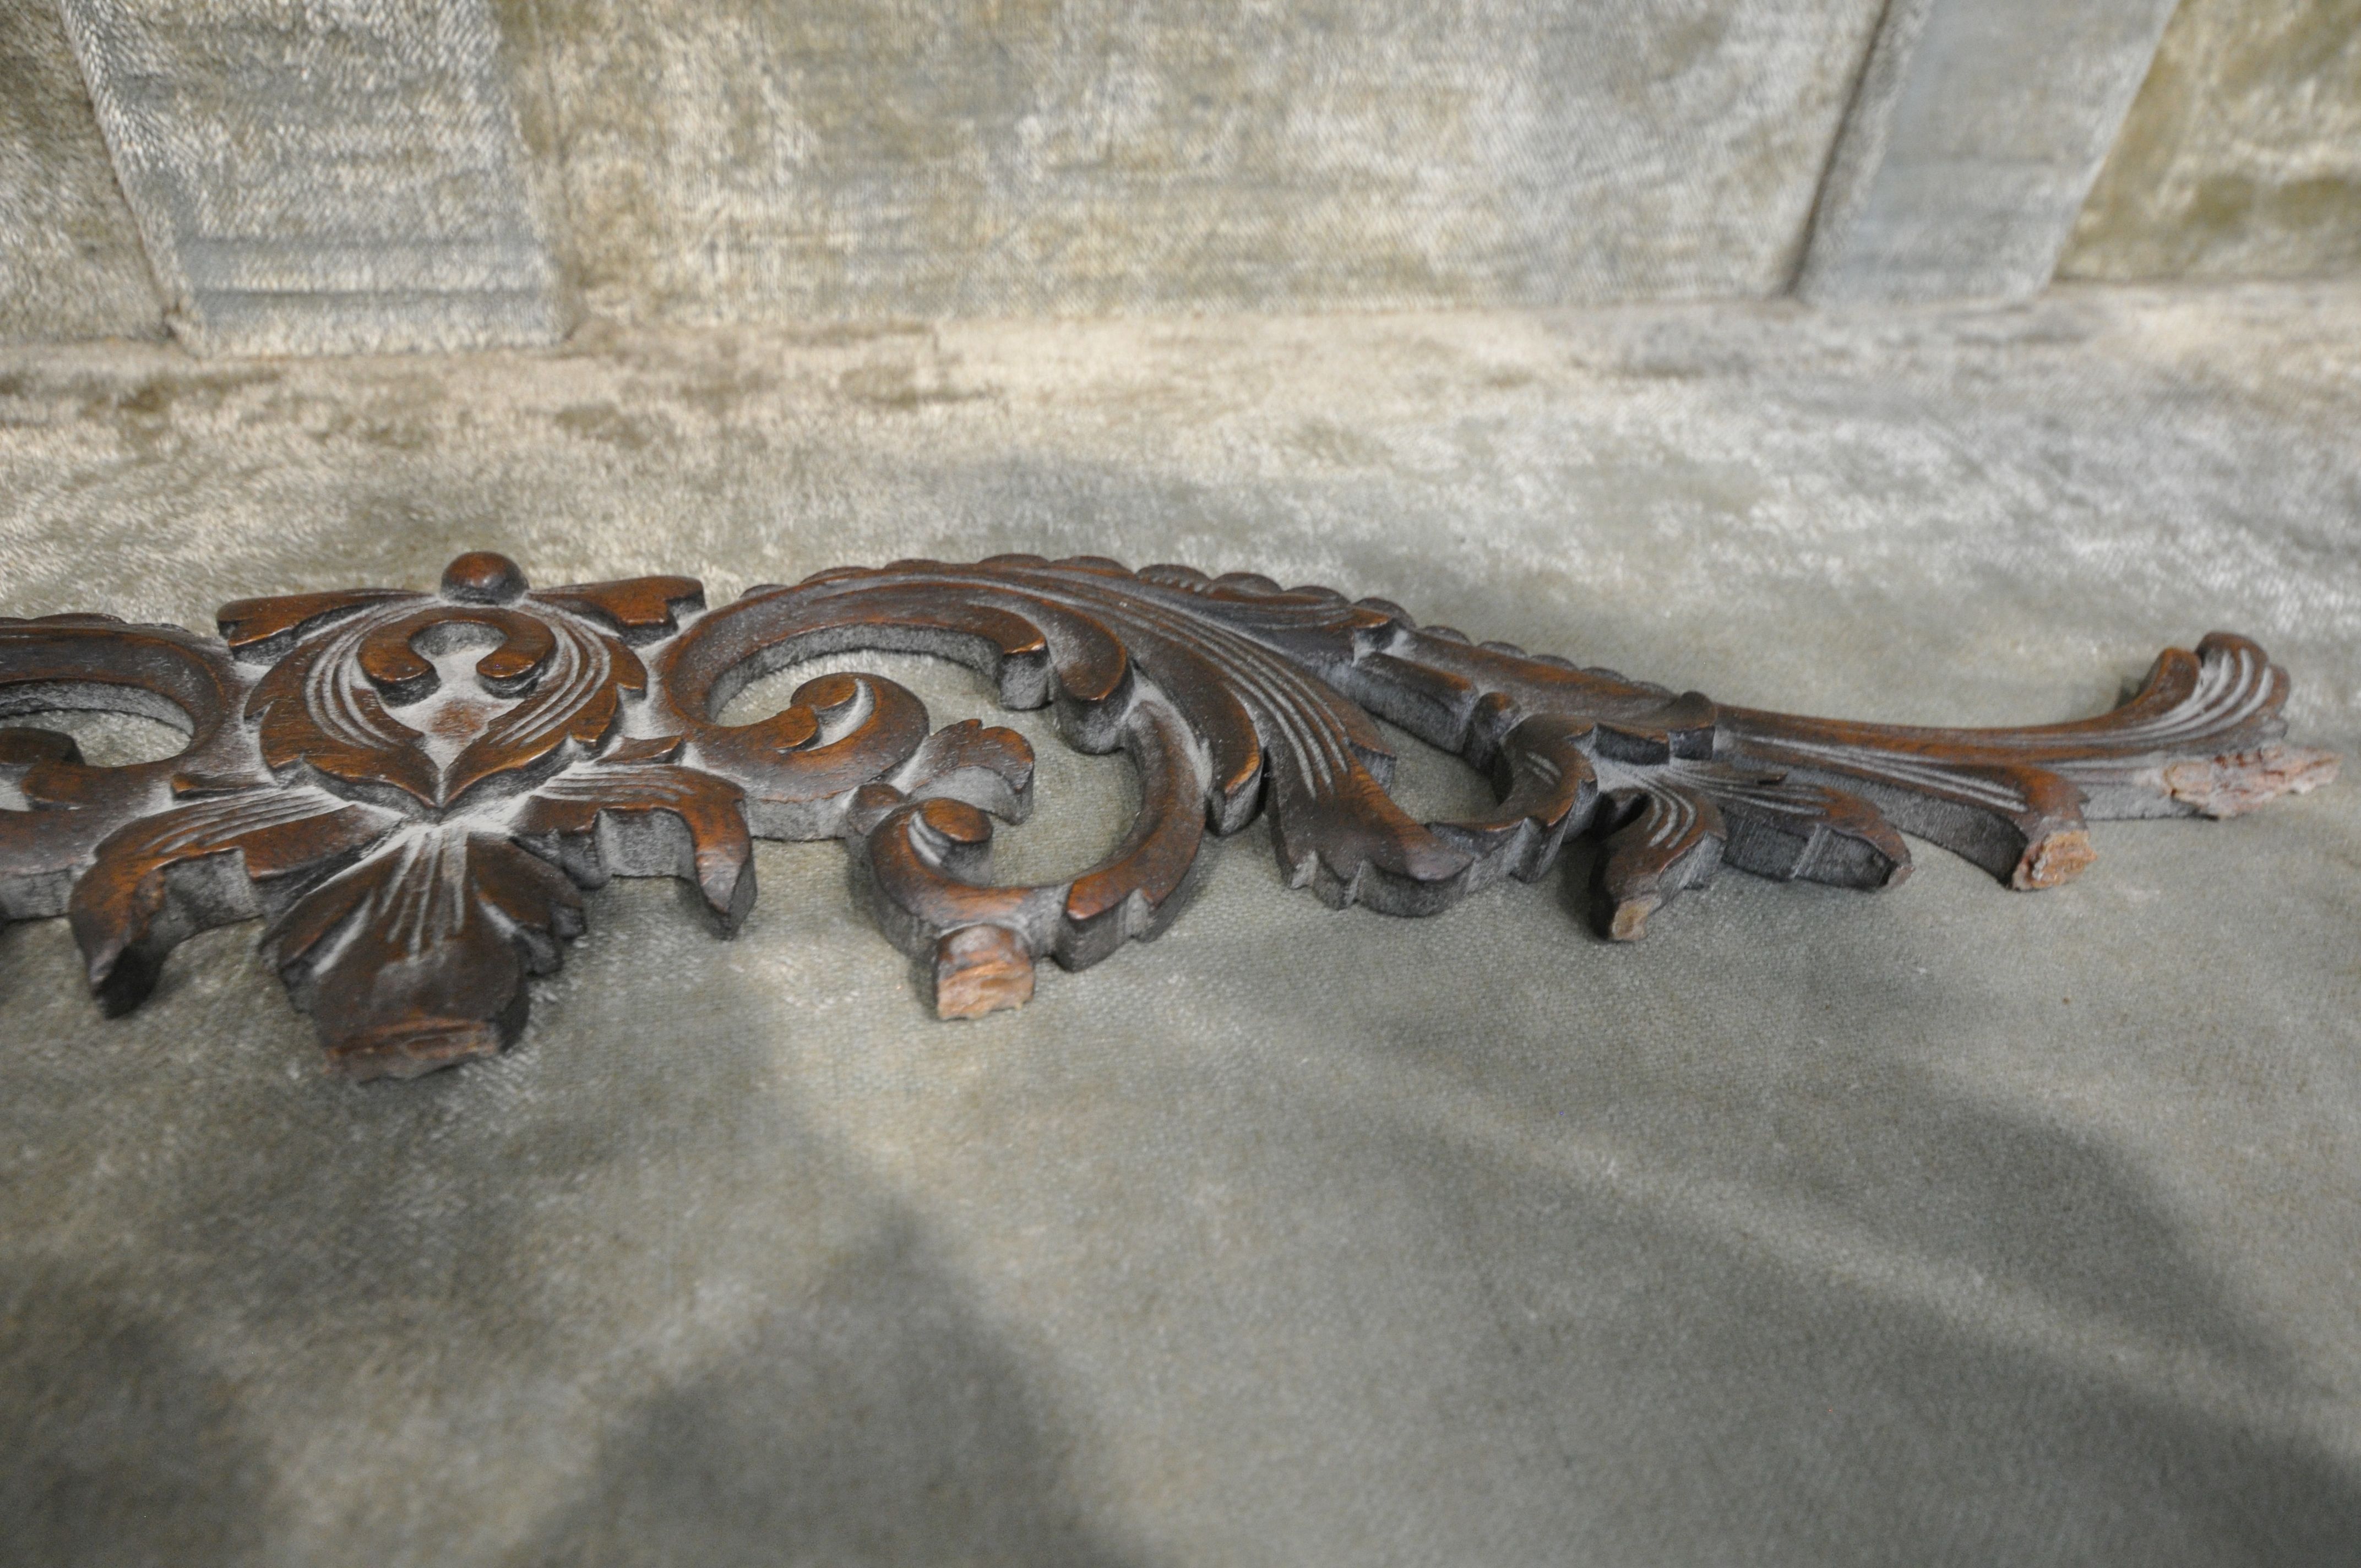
(71,264)
(322,180)
(1970,144)
(858,159)
(2241,157)
(1945,1224)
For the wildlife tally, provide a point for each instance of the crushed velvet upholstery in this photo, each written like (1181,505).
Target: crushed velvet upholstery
(1946,1225)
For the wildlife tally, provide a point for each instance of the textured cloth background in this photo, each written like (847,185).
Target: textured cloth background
(2242,155)
(1944,1225)
(868,158)
(315,178)
(71,265)
(1970,144)
(374,174)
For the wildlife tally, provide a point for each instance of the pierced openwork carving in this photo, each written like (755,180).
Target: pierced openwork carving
(414,789)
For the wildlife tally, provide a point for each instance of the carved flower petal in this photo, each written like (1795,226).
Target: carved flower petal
(416,958)
(261,630)
(166,877)
(645,609)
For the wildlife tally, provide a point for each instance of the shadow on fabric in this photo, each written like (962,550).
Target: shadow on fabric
(875,1421)
(1766,1282)
(121,1447)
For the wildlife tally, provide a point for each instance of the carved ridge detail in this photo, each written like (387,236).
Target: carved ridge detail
(414,789)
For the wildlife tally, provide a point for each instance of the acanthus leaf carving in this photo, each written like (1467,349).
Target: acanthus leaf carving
(416,788)
(416,958)
(631,819)
(161,878)
(545,680)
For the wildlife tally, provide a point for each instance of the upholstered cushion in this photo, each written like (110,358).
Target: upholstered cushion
(1948,1223)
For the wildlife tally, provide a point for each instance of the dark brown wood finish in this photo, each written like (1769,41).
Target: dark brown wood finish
(413,788)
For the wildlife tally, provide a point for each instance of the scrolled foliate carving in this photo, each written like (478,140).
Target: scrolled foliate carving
(415,789)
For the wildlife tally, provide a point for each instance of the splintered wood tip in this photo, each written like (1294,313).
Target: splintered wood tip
(2059,857)
(2240,781)
(1630,919)
(981,970)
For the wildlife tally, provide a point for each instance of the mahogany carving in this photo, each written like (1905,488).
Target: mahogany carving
(413,789)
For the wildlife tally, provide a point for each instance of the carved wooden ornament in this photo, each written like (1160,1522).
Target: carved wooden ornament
(419,846)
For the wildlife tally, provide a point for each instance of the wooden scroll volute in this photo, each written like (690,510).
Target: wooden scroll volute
(415,790)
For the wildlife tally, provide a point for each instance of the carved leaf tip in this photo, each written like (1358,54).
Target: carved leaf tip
(1627,919)
(164,878)
(631,819)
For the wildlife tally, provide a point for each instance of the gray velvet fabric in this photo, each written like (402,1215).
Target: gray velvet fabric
(322,180)
(1946,1226)
(1969,149)
(70,266)
(381,176)
(2242,155)
(865,158)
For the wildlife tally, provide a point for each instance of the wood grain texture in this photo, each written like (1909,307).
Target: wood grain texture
(415,788)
